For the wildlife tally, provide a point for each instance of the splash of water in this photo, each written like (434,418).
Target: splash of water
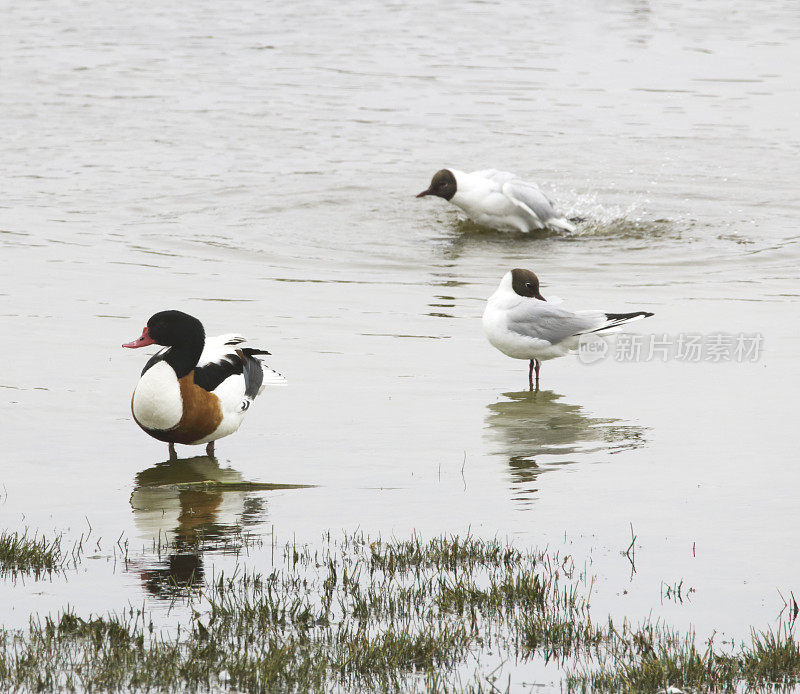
(594,218)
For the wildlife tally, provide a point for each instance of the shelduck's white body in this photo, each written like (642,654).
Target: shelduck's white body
(157,402)
(196,390)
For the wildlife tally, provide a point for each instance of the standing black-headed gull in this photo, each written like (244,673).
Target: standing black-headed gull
(520,323)
(197,389)
(497,199)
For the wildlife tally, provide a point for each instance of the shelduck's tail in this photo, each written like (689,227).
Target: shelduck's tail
(257,374)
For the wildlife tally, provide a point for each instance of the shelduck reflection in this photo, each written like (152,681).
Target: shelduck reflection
(187,508)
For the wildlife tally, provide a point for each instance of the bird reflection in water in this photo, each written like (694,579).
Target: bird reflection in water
(189,507)
(536,432)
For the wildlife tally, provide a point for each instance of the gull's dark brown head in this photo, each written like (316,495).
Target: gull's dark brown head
(526,283)
(443,185)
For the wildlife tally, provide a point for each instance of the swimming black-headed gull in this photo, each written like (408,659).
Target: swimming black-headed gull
(497,199)
(520,322)
(197,389)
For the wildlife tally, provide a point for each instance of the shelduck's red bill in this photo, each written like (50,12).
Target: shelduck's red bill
(143,341)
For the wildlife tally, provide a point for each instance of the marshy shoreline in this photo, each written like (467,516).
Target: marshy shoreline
(361,614)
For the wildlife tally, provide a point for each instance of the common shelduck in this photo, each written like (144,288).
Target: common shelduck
(520,322)
(196,390)
(497,199)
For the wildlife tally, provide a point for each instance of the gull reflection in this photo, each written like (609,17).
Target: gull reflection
(467,239)
(186,508)
(537,432)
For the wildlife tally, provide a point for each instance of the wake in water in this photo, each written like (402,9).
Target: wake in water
(592,218)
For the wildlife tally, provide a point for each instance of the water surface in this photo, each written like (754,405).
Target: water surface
(258,170)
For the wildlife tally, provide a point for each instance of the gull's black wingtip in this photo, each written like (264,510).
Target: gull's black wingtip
(628,316)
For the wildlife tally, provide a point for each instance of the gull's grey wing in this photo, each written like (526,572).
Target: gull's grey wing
(540,321)
(530,197)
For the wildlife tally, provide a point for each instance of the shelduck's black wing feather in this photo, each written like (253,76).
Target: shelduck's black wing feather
(253,371)
(223,357)
(210,375)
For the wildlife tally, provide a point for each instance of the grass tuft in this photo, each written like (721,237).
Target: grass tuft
(390,616)
(21,553)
